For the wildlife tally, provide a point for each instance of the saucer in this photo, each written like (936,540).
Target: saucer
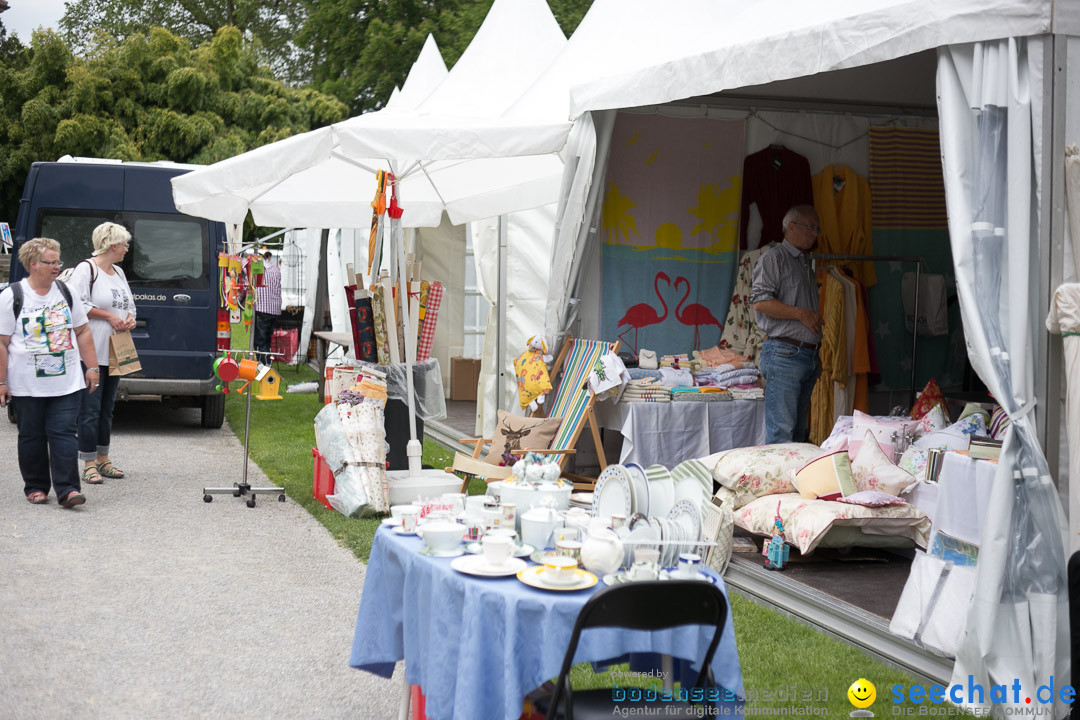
(523,550)
(668,575)
(391,521)
(533,576)
(444,554)
(399,530)
(479,566)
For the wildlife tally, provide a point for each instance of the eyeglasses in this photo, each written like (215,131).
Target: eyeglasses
(812,228)
(54,263)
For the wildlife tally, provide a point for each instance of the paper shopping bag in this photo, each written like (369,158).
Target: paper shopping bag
(123,360)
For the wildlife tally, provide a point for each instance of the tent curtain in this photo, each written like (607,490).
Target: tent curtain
(1017,627)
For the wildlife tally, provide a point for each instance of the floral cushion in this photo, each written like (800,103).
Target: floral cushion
(931,395)
(872,498)
(914,461)
(974,424)
(825,477)
(889,433)
(872,470)
(931,421)
(841,430)
(761,470)
(955,437)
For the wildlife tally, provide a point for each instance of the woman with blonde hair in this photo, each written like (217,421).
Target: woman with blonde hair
(41,322)
(101,284)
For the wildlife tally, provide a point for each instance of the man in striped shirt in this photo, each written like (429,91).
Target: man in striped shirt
(267,305)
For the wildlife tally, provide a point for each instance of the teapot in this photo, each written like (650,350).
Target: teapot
(537,525)
(602,551)
(578,519)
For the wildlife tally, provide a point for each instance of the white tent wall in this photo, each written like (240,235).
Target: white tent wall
(442,251)
(528,253)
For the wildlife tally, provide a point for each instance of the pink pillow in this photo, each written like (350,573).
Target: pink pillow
(872,470)
(872,498)
(884,432)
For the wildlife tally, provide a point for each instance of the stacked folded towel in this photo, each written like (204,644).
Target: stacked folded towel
(646,390)
(751,394)
(727,376)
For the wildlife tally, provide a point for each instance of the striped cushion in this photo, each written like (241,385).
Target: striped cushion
(999,423)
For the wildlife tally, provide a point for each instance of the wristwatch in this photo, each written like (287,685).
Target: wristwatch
(93,369)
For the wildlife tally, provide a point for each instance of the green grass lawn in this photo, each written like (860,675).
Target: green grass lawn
(780,657)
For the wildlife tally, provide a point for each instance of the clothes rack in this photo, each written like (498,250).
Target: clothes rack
(919,262)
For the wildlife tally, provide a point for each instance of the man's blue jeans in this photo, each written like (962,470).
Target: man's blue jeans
(48,442)
(790,373)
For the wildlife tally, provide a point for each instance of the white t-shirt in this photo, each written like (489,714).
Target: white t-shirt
(111,293)
(43,359)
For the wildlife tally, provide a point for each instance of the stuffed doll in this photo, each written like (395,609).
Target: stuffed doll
(532,374)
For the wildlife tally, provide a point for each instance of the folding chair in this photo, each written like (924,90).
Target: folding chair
(633,606)
(572,402)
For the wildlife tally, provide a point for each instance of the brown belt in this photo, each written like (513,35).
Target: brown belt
(797,343)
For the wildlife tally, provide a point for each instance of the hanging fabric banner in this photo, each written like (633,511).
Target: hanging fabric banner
(669,231)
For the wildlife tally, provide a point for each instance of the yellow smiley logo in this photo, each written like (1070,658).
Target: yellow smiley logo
(862,693)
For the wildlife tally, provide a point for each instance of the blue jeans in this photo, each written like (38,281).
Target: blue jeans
(48,445)
(790,374)
(95,418)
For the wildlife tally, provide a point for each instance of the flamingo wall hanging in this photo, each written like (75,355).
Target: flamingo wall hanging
(644,314)
(694,314)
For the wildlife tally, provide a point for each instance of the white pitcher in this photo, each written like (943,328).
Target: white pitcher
(537,525)
(602,552)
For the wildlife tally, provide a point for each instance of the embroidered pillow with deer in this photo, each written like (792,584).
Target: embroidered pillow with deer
(515,435)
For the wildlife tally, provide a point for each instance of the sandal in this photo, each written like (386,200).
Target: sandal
(109,470)
(37,497)
(72,499)
(92,476)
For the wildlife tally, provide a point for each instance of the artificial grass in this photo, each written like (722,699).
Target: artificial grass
(780,657)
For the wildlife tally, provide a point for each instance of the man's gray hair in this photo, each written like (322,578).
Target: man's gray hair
(799,213)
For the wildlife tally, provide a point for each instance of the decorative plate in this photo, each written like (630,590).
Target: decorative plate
(522,550)
(640,486)
(661,490)
(688,517)
(478,565)
(612,493)
(443,554)
(533,577)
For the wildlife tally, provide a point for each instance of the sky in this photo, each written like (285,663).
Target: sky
(24,16)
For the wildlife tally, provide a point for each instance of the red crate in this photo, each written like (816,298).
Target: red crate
(322,480)
(283,344)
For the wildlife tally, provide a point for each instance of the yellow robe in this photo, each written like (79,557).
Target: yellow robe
(842,201)
(833,355)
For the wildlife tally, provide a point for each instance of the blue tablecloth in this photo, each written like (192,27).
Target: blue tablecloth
(477,646)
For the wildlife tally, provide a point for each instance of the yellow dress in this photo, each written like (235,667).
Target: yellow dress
(842,201)
(833,355)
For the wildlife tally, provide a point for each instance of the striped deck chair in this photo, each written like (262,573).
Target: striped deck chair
(573,402)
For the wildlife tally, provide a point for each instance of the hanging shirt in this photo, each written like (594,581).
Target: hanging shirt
(776,179)
(783,273)
(42,358)
(842,201)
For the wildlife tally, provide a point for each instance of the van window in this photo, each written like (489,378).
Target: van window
(166,250)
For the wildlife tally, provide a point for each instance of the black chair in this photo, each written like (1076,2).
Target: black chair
(634,606)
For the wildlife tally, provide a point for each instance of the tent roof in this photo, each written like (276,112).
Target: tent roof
(734,45)
(426,73)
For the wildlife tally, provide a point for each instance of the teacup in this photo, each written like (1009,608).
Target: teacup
(689,565)
(457,500)
(442,536)
(497,548)
(642,570)
(410,515)
(569,548)
(560,570)
(505,532)
(397,511)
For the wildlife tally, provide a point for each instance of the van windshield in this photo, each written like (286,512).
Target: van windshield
(166,250)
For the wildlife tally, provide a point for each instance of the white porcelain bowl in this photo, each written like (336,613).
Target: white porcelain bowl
(442,536)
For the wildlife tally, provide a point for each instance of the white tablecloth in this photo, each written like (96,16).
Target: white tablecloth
(668,433)
(957,503)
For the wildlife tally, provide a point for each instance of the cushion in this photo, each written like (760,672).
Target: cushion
(826,476)
(947,439)
(999,423)
(872,498)
(914,461)
(841,430)
(872,470)
(753,472)
(974,424)
(931,395)
(515,434)
(888,433)
(973,408)
(931,421)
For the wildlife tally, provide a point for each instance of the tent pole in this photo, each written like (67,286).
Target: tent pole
(500,337)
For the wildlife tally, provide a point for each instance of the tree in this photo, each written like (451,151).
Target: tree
(153,97)
(269,23)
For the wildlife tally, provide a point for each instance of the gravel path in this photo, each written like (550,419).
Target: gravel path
(148,603)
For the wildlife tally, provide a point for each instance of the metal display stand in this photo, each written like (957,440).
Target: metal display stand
(243,488)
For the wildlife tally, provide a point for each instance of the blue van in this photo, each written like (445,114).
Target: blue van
(172,267)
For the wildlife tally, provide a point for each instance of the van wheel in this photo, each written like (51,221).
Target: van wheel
(213,411)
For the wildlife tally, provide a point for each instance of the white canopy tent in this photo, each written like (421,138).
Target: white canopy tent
(1003,99)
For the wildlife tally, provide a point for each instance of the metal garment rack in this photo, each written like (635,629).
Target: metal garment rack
(919,262)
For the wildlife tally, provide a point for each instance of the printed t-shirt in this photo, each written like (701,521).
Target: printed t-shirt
(111,293)
(43,360)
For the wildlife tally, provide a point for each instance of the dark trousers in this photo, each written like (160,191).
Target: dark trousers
(264,329)
(95,417)
(48,442)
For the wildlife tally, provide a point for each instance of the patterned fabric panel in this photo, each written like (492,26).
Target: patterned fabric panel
(572,398)
(999,423)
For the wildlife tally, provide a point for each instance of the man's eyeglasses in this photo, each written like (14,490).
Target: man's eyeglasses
(54,263)
(812,228)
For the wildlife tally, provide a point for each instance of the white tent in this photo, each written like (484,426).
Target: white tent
(1002,88)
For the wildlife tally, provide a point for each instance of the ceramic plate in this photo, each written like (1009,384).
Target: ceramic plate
(479,566)
(533,576)
(401,531)
(688,488)
(640,487)
(391,521)
(612,494)
(523,550)
(661,490)
(665,575)
(583,498)
(687,517)
(444,554)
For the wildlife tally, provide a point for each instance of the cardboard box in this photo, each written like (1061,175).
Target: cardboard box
(464,376)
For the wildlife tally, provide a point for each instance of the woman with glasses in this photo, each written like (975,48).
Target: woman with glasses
(100,283)
(40,325)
